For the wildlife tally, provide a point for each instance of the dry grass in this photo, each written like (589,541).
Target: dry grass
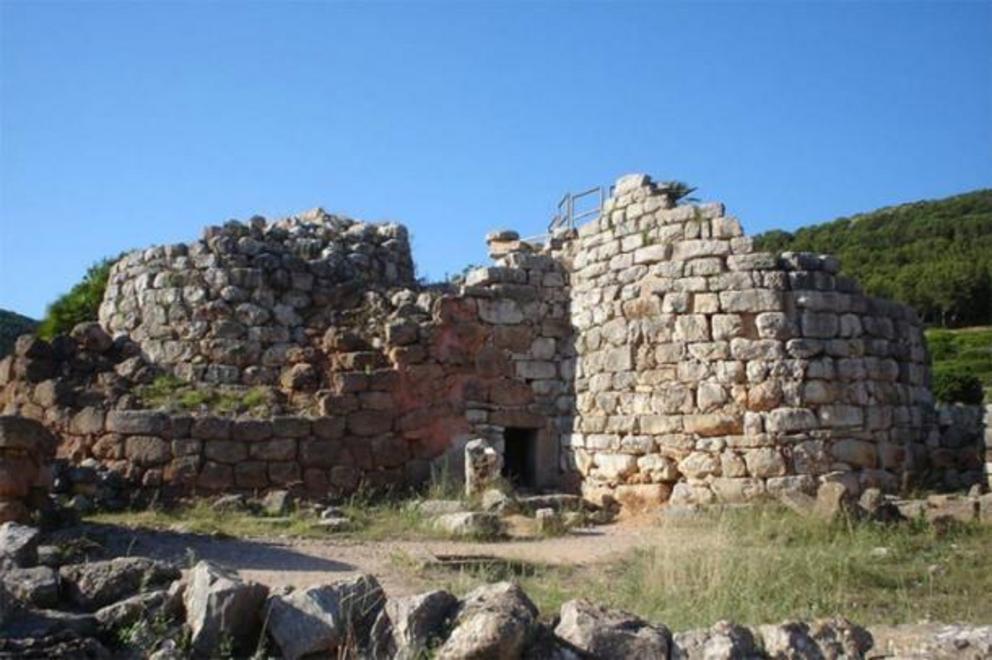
(762,565)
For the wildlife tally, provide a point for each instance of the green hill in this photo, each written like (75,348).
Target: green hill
(934,255)
(12,326)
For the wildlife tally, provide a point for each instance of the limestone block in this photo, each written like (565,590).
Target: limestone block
(699,465)
(147,450)
(751,301)
(787,420)
(691,249)
(835,416)
(737,491)
(692,327)
(615,466)
(765,462)
(857,453)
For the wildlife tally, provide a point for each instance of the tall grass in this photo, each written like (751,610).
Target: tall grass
(763,565)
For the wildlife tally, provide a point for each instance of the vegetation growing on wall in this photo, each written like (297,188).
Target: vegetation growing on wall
(933,255)
(81,303)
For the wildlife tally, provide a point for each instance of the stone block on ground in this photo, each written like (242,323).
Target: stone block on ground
(325,619)
(96,584)
(470,524)
(611,634)
(493,621)
(220,606)
(18,545)
(723,641)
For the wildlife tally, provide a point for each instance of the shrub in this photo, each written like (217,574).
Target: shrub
(81,303)
(954,386)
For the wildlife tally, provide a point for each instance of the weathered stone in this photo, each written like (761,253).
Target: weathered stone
(18,546)
(221,607)
(470,524)
(494,621)
(723,641)
(37,586)
(418,623)
(610,634)
(99,583)
(324,619)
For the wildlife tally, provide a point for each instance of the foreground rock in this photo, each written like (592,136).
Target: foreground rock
(221,607)
(409,626)
(828,638)
(18,546)
(494,621)
(723,640)
(610,634)
(470,524)
(96,584)
(333,620)
(37,586)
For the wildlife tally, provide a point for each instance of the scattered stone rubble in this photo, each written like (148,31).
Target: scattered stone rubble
(102,608)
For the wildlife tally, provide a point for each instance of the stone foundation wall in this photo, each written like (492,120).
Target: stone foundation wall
(708,371)
(960,447)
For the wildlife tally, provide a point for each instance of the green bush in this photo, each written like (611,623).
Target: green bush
(81,304)
(953,386)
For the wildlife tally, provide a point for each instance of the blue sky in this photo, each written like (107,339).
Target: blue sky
(130,124)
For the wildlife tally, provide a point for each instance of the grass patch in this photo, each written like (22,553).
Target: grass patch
(199,517)
(172,393)
(767,564)
(965,350)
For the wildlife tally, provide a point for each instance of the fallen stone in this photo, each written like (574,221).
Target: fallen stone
(833,500)
(418,623)
(723,641)
(494,621)
(127,611)
(277,503)
(18,545)
(440,507)
(324,619)
(63,644)
(37,586)
(610,634)
(828,638)
(558,501)
(100,583)
(231,503)
(222,607)
(471,524)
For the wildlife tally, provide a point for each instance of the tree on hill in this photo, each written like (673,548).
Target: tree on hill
(12,326)
(933,255)
(81,303)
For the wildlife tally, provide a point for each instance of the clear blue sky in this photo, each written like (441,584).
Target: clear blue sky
(130,124)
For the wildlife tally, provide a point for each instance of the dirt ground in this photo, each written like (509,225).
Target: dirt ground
(279,562)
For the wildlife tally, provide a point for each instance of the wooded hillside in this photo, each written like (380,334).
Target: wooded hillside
(934,255)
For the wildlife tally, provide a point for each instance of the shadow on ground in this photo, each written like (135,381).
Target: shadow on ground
(184,547)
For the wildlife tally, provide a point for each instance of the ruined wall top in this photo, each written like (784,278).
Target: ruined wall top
(228,308)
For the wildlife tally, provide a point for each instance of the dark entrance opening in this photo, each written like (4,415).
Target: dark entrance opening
(520,457)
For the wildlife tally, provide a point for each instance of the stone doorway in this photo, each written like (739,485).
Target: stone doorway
(520,457)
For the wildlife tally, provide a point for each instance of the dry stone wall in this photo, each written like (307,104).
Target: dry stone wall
(234,306)
(708,371)
(651,355)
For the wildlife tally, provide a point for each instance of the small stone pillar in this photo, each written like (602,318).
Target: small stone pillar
(26,451)
(482,466)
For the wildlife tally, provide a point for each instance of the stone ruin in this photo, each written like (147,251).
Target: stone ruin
(650,356)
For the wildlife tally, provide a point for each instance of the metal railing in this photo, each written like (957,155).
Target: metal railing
(571,213)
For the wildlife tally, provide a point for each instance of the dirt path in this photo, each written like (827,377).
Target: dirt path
(280,562)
